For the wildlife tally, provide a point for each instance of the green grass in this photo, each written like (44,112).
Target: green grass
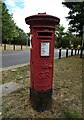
(67,91)
(19,75)
(71,114)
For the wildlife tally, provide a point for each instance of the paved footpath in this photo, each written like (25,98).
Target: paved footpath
(6,89)
(9,87)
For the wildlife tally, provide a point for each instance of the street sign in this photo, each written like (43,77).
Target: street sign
(26,36)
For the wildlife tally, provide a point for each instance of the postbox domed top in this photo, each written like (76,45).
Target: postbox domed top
(42,17)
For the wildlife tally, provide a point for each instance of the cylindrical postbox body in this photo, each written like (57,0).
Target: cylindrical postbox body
(42,32)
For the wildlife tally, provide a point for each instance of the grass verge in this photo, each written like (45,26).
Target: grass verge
(67,92)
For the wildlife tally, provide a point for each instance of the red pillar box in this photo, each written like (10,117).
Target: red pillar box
(42,30)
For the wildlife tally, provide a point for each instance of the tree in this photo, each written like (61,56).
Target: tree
(72,40)
(10,32)
(75,16)
(65,39)
(20,38)
(8,25)
(59,33)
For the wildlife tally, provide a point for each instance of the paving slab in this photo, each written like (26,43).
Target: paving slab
(9,87)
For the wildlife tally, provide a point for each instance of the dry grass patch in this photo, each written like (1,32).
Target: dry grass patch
(67,92)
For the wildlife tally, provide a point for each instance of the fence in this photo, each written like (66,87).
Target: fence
(12,47)
(71,52)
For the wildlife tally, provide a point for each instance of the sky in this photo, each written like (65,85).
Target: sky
(24,8)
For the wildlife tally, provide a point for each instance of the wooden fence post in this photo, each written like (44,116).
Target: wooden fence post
(14,47)
(21,46)
(81,52)
(4,46)
(67,52)
(72,52)
(59,53)
(78,51)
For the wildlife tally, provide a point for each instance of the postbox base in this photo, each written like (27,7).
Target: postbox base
(40,100)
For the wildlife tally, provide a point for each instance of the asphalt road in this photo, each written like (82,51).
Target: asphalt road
(10,58)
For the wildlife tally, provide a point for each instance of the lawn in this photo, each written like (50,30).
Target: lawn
(67,92)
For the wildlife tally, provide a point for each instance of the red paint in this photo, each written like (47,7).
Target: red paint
(42,28)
